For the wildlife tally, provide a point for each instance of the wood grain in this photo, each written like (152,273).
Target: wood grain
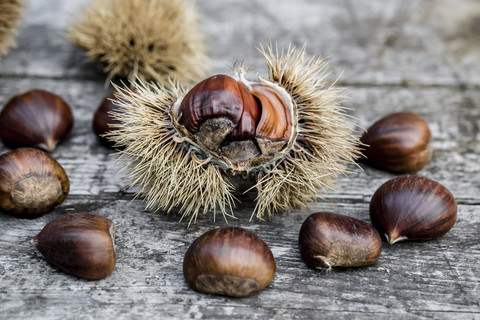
(394,55)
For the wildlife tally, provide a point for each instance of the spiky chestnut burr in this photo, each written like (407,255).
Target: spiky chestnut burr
(10,13)
(289,133)
(150,39)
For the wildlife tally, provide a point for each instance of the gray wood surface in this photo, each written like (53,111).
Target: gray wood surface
(395,55)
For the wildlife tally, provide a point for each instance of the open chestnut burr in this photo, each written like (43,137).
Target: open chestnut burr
(228,261)
(399,142)
(287,133)
(80,244)
(412,208)
(31,182)
(329,240)
(36,118)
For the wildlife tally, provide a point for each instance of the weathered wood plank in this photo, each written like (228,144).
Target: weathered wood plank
(423,277)
(374,42)
(396,55)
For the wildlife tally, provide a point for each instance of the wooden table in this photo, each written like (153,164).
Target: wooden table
(422,56)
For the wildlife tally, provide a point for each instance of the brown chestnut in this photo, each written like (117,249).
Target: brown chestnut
(31,182)
(329,240)
(103,120)
(399,142)
(412,208)
(36,118)
(236,118)
(228,261)
(80,244)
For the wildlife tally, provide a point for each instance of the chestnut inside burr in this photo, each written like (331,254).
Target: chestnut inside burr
(241,122)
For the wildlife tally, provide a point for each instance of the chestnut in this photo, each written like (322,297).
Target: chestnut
(36,118)
(412,208)
(238,119)
(228,261)
(103,120)
(31,182)
(398,142)
(329,240)
(80,244)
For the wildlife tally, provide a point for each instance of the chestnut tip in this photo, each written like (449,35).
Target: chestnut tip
(394,237)
(34,241)
(49,145)
(323,262)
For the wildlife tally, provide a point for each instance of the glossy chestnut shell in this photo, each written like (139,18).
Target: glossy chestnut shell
(228,261)
(31,182)
(36,118)
(241,122)
(80,244)
(412,208)
(398,142)
(103,121)
(332,240)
